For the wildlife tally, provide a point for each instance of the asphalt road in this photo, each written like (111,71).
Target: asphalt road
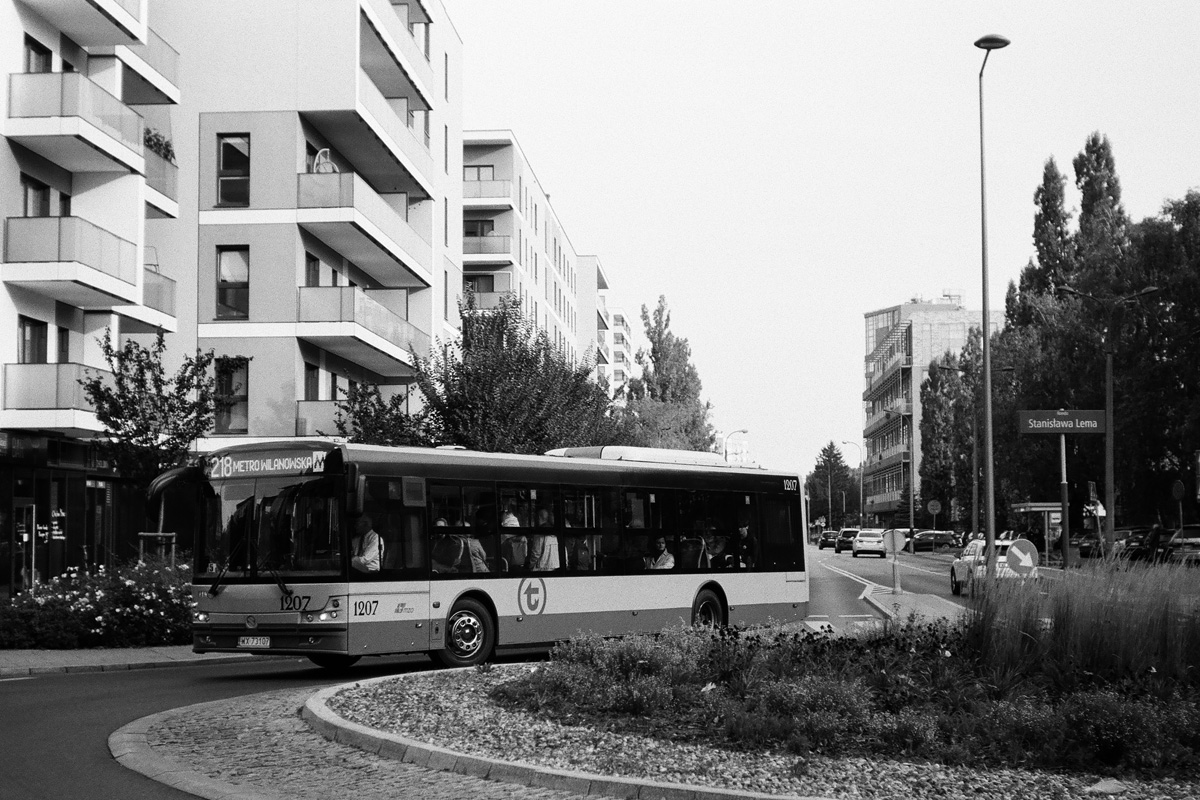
(53,740)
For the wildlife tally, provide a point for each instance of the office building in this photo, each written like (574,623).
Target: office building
(86,175)
(901,341)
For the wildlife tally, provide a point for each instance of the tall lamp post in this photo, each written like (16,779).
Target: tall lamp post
(861,515)
(1111,304)
(725,442)
(987,44)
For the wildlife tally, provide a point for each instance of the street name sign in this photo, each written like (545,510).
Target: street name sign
(1060,421)
(1022,557)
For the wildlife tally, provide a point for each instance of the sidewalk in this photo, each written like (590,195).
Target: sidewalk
(18,663)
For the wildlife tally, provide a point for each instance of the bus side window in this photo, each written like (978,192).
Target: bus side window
(782,547)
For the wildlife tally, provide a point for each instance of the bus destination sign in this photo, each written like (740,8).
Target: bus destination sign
(1060,421)
(258,464)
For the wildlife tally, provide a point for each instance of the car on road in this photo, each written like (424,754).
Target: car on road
(1089,545)
(1184,546)
(827,538)
(868,540)
(932,541)
(845,539)
(1125,538)
(969,570)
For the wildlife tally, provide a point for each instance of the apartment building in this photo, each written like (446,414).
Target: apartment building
(594,341)
(623,367)
(321,147)
(901,341)
(513,242)
(85,175)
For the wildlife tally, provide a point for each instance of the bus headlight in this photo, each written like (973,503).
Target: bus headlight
(328,615)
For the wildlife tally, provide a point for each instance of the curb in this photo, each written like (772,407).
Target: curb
(20,672)
(389,745)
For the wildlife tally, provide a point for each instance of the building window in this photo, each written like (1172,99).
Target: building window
(312,270)
(233,383)
(37,56)
(484,172)
(233,283)
(445,294)
(312,382)
(36,197)
(479,227)
(479,283)
(31,341)
(64,345)
(64,204)
(233,170)
(446,74)
(446,149)
(445,222)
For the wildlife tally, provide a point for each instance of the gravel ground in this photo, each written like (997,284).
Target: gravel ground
(453,710)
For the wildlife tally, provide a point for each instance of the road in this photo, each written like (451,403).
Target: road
(56,726)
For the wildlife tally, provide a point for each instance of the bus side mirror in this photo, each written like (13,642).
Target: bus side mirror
(356,491)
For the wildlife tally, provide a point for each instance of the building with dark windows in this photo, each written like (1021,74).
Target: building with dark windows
(901,341)
(88,179)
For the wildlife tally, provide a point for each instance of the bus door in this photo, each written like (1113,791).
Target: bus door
(389,607)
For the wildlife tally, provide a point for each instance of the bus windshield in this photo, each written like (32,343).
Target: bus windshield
(271,528)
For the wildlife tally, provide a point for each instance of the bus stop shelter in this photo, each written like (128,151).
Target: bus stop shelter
(1050,517)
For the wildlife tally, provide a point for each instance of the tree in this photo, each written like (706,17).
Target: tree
(825,484)
(668,377)
(364,416)
(504,387)
(151,419)
(645,422)
(1103,239)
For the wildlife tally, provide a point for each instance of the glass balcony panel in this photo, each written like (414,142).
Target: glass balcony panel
(158,292)
(162,175)
(487,245)
(70,94)
(158,54)
(60,239)
(487,189)
(394,124)
(347,304)
(48,386)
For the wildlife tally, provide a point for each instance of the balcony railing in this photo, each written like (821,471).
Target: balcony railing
(489,301)
(162,175)
(394,123)
(495,190)
(158,292)
(316,417)
(348,190)
(487,245)
(48,386)
(70,94)
(348,304)
(158,54)
(65,239)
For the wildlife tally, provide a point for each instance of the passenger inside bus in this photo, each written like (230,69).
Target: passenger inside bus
(747,545)
(543,547)
(365,547)
(660,557)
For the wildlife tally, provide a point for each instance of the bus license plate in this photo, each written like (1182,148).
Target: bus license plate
(254,641)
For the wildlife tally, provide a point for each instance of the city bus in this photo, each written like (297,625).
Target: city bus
(336,551)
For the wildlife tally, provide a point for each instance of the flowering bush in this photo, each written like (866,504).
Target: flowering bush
(138,604)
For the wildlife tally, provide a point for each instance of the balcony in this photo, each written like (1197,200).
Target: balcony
(347,322)
(343,211)
(391,47)
(879,419)
(72,122)
(372,132)
(49,397)
(95,22)
(70,260)
(151,73)
(888,371)
(887,501)
(316,417)
(489,195)
(162,187)
(488,251)
(416,10)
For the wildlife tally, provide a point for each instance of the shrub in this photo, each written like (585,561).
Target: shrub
(138,604)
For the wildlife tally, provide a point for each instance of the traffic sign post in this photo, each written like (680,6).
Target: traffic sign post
(1062,422)
(935,507)
(893,542)
(1022,557)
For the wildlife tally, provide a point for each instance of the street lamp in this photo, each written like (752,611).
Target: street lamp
(987,44)
(1111,304)
(725,442)
(861,515)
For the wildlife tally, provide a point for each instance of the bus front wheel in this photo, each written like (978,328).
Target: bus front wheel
(470,635)
(707,611)
(334,662)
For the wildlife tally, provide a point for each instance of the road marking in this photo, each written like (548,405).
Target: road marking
(24,678)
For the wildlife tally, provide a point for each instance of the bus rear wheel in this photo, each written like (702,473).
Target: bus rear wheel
(470,635)
(707,611)
(334,662)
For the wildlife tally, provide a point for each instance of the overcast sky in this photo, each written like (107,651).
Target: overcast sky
(778,169)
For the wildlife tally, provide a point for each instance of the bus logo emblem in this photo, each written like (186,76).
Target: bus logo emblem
(531,596)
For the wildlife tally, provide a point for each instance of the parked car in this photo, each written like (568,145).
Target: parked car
(971,566)
(1089,544)
(1184,547)
(868,540)
(1142,546)
(931,540)
(828,538)
(1122,539)
(845,539)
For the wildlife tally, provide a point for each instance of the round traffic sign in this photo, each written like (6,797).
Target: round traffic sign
(1022,557)
(894,541)
(935,506)
(1177,490)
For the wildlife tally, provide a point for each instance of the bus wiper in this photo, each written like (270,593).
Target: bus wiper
(215,589)
(283,587)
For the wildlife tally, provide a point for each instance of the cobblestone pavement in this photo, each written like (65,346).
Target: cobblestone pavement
(261,749)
